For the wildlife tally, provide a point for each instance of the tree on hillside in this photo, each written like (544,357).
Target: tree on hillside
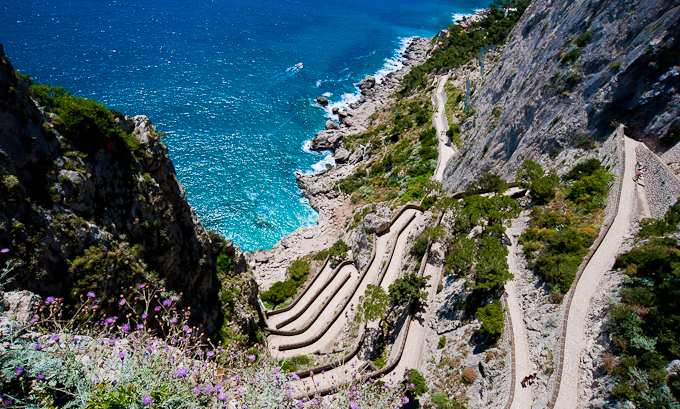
(542,187)
(373,304)
(407,290)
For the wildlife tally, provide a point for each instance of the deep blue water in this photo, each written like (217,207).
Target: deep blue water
(219,78)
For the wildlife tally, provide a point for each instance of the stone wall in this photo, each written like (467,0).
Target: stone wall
(661,184)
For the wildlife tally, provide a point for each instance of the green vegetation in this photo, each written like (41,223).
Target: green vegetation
(336,254)
(584,38)
(280,291)
(492,319)
(88,124)
(572,55)
(414,383)
(464,44)
(442,342)
(672,136)
(542,187)
(441,401)
(561,232)
(409,289)
(295,363)
(373,304)
(659,228)
(615,66)
(645,325)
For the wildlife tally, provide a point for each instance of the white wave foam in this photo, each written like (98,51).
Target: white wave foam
(321,165)
(327,94)
(392,64)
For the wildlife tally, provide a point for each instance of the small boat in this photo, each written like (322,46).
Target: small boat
(298,65)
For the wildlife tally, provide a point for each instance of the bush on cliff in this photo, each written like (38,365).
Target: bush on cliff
(645,325)
(89,124)
(492,319)
(280,291)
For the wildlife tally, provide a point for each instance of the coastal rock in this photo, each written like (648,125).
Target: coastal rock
(366,83)
(342,155)
(335,110)
(323,101)
(326,140)
(373,223)
(19,306)
(331,125)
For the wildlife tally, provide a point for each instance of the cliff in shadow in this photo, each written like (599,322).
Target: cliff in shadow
(90,202)
(568,74)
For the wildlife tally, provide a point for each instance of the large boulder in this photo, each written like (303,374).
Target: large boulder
(366,83)
(331,125)
(323,101)
(342,155)
(375,224)
(326,140)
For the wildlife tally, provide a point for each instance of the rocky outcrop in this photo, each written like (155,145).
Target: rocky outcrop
(375,93)
(323,101)
(568,72)
(98,216)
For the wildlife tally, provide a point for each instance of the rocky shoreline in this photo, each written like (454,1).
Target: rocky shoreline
(271,265)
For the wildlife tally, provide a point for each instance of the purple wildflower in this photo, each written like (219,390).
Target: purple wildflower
(167,303)
(121,355)
(208,389)
(125,328)
(109,321)
(147,400)
(3,251)
(91,294)
(180,372)
(19,371)
(405,400)
(37,347)
(251,357)
(121,302)
(144,316)
(210,353)
(222,396)
(186,328)
(140,326)
(41,377)
(173,320)
(157,308)
(141,286)
(49,300)
(353,405)
(33,320)
(56,337)
(412,386)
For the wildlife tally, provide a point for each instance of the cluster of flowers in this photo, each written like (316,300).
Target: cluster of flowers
(94,360)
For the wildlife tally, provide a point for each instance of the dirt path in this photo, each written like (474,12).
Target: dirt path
(602,261)
(521,397)
(446,150)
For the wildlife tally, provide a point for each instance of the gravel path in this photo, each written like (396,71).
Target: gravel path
(446,149)
(320,281)
(601,262)
(521,399)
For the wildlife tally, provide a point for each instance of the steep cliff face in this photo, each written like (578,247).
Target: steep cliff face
(569,72)
(93,213)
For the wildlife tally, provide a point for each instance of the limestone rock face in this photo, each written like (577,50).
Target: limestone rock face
(622,74)
(342,155)
(331,125)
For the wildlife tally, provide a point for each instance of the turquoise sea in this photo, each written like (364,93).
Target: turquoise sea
(220,78)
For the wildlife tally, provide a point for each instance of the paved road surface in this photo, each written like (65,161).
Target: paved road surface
(602,261)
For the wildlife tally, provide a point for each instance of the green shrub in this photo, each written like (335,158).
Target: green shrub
(572,55)
(672,136)
(279,292)
(615,66)
(415,378)
(669,224)
(442,342)
(298,271)
(492,320)
(338,251)
(645,325)
(584,38)
(89,124)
